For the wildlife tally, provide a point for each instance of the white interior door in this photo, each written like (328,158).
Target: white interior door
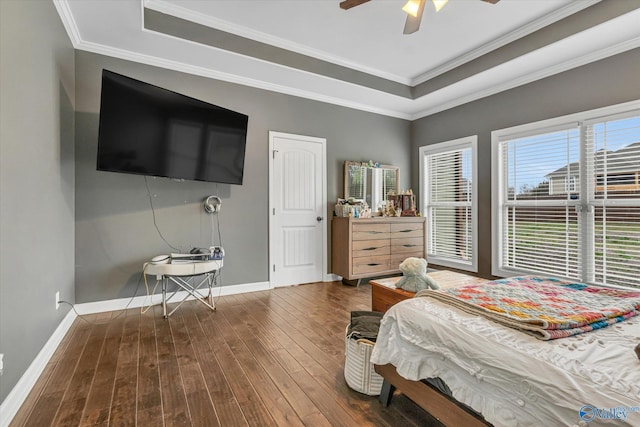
(297,227)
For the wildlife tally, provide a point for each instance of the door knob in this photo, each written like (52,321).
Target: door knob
(319,218)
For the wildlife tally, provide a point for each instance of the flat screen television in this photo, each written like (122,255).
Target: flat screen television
(148,130)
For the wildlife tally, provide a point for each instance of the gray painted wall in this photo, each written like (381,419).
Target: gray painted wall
(114,224)
(110,214)
(607,82)
(36,180)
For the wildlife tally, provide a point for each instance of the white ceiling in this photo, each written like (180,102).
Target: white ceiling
(367,38)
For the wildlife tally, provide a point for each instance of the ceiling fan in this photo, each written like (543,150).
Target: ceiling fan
(414,9)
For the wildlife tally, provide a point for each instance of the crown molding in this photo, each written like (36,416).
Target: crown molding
(270,63)
(233,78)
(62,6)
(239,30)
(64,11)
(411,111)
(522,31)
(531,77)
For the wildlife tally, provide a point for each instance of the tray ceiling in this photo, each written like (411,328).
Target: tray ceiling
(359,58)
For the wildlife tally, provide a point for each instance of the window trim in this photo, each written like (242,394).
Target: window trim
(456,144)
(497,174)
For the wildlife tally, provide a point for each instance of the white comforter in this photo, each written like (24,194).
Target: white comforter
(512,378)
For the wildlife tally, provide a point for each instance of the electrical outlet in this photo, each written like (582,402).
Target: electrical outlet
(1,363)
(57,300)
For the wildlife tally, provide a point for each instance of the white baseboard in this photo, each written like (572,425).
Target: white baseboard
(21,390)
(19,393)
(332,277)
(144,300)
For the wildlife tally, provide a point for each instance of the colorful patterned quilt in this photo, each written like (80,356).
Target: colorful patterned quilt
(546,308)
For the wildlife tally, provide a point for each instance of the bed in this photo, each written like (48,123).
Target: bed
(509,377)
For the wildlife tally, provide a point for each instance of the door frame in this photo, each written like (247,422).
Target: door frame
(311,139)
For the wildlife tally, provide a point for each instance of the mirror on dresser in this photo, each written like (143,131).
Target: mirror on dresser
(370,182)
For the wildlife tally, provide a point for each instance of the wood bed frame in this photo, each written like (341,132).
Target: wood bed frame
(446,409)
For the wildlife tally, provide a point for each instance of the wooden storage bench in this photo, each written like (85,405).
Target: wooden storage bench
(384,293)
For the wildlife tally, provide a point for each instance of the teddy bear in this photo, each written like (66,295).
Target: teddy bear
(415,276)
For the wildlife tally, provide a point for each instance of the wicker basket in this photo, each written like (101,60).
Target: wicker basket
(358,370)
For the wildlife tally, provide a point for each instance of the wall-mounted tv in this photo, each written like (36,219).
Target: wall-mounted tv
(148,130)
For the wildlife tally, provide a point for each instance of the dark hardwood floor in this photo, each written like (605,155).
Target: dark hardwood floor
(261,359)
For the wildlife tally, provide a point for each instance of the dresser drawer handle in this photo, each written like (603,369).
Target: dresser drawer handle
(371,264)
(373,248)
(405,231)
(408,245)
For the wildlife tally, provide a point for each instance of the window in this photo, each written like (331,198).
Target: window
(448,177)
(383,181)
(566,197)
(570,184)
(357,182)
(388,182)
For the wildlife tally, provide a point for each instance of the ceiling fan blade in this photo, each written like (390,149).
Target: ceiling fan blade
(491,1)
(412,24)
(348,4)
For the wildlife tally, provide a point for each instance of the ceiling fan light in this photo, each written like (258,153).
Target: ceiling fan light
(439,4)
(412,7)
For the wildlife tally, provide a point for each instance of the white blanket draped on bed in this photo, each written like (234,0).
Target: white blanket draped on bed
(512,378)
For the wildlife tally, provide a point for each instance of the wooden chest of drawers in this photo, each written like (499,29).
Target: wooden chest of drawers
(368,247)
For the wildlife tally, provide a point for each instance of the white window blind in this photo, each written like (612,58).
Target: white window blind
(614,167)
(357,182)
(388,182)
(569,201)
(448,171)
(540,218)
(383,181)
